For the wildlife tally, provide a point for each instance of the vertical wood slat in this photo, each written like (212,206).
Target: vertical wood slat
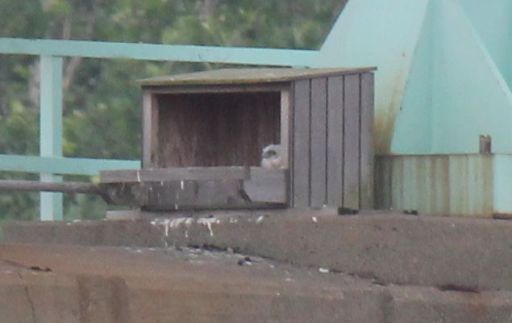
(351,141)
(285,128)
(367,150)
(318,142)
(301,144)
(335,141)
(149,129)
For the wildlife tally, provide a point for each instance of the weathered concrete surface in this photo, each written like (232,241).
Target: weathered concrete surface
(104,284)
(453,253)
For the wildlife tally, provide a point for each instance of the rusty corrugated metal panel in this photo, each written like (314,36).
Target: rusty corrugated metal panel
(436,184)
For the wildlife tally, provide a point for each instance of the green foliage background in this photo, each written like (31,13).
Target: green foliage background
(102,99)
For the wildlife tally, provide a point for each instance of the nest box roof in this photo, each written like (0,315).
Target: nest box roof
(248,76)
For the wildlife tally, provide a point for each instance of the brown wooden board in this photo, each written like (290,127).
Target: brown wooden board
(149,128)
(318,142)
(301,144)
(216,129)
(202,188)
(267,186)
(224,88)
(248,76)
(335,141)
(175,174)
(366,143)
(351,142)
(285,128)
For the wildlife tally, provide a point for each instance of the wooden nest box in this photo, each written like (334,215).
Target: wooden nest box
(212,127)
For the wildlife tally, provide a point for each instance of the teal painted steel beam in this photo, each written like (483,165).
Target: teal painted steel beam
(493,23)
(50,133)
(455,92)
(178,53)
(63,165)
(381,33)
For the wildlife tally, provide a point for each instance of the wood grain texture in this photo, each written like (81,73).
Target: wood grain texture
(217,129)
(285,128)
(367,143)
(262,189)
(301,144)
(351,138)
(335,143)
(267,186)
(149,128)
(175,174)
(318,142)
(225,88)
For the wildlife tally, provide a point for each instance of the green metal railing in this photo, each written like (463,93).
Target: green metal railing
(51,164)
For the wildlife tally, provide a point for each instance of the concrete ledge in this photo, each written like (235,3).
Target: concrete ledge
(450,253)
(101,284)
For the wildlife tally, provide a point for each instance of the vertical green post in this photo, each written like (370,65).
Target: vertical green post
(50,133)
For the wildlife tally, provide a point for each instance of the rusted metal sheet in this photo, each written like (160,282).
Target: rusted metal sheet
(436,184)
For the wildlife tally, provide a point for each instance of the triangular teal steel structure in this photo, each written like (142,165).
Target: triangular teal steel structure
(444,70)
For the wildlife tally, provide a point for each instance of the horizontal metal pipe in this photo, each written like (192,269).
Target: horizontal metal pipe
(35,186)
(159,52)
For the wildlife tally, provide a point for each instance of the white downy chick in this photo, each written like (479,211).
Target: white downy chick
(271,157)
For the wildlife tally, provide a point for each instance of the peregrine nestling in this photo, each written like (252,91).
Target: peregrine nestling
(271,157)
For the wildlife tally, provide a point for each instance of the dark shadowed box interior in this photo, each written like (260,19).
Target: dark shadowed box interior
(216,129)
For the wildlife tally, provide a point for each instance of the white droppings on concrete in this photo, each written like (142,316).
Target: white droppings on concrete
(260,219)
(166,227)
(170,224)
(208,223)
(233,220)
(138,251)
(77,220)
(182,185)
(323,270)
(314,219)
(175,223)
